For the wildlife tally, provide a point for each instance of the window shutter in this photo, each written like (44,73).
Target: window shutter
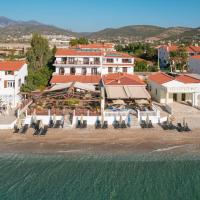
(5,84)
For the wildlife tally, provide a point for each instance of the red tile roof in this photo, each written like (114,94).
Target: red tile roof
(193,49)
(15,65)
(196,57)
(162,78)
(122,79)
(187,79)
(114,54)
(73,52)
(95,79)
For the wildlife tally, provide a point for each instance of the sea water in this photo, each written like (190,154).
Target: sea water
(96,177)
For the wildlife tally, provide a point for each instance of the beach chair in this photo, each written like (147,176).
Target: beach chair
(186,128)
(57,124)
(44,130)
(105,125)
(24,129)
(98,124)
(51,124)
(179,127)
(143,124)
(171,126)
(78,125)
(123,124)
(165,126)
(116,124)
(150,125)
(16,129)
(84,125)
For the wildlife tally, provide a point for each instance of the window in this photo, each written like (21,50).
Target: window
(9,72)
(94,71)
(19,82)
(61,71)
(72,71)
(84,71)
(110,60)
(126,60)
(124,69)
(110,70)
(10,84)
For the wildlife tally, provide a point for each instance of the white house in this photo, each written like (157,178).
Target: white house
(166,89)
(12,76)
(194,64)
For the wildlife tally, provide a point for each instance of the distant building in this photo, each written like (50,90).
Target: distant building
(194,64)
(98,47)
(167,89)
(164,53)
(12,76)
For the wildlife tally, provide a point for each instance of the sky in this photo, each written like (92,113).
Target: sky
(94,15)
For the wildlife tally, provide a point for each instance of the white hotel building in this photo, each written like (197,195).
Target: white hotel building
(12,76)
(89,63)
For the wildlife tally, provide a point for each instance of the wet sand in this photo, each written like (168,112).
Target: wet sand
(100,141)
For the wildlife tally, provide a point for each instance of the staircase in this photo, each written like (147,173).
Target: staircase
(134,122)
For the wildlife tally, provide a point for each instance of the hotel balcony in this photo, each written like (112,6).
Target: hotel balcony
(79,63)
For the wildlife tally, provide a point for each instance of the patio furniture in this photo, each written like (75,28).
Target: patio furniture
(98,124)
(150,125)
(57,124)
(116,124)
(179,127)
(171,126)
(51,124)
(44,130)
(16,129)
(165,125)
(105,125)
(186,128)
(78,125)
(24,129)
(143,124)
(84,125)
(123,124)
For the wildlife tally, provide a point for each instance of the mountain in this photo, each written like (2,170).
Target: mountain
(139,32)
(16,29)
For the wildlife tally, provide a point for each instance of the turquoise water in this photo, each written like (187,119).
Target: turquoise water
(55,177)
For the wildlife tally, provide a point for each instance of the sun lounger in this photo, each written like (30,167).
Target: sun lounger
(51,124)
(44,130)
(171,126)
(123,124)
(78,125)
(116,124)
(143,124)
(186,128)
(98,124)
(150,125)
(105,125)
(57,124)
(16,129)
(179,127)
(84,125)
(24,129)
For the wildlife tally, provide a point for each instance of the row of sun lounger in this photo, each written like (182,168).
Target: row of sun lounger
(179,127)
(81,124)
(98,125)
(145,124)
(122,125)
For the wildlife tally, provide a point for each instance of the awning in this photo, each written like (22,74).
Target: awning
(115,92)
(127,92)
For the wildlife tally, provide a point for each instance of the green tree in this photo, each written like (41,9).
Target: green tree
(141,66)
(39,54)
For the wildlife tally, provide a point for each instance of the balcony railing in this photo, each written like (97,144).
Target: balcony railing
(77,63)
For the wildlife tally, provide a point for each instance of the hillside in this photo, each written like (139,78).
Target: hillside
(16,29)
(140,32)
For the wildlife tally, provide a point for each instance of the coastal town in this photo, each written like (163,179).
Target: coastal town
(94,85)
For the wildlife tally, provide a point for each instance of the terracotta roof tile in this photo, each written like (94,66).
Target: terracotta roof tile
(11,65)
(187,79)
(122,79)
(160,78)
(73,52)
(95,79)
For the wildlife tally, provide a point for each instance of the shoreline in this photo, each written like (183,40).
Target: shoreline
(129,141)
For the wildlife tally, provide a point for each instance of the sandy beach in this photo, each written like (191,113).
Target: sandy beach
(100,141)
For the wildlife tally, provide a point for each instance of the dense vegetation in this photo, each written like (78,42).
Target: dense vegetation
(77,41)
(40,64)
